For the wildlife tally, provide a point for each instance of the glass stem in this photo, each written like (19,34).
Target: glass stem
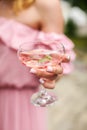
(42,90)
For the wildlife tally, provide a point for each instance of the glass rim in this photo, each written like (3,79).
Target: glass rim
(48,42)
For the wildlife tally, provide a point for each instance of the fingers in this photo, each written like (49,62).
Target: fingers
(48,79)
(49,84)
(50,72)
(56,69)
(42,73)
(61,57)
(59,77)
(66,58)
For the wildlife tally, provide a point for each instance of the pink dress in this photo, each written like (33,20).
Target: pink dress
(16,83)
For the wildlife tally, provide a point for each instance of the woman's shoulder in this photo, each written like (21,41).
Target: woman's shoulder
(46,4)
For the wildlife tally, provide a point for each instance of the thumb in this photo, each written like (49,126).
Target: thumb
(66,58)
(61,57)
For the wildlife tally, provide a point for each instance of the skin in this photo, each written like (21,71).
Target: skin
(46,16)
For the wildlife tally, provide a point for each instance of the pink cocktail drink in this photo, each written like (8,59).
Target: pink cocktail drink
(40,58)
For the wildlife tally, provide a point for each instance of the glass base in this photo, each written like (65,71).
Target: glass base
(43,99)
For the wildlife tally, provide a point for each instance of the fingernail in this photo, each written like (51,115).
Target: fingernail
(49,69)
(68,57)
(41,81)
(32,71)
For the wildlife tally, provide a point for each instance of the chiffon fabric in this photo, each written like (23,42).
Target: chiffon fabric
(17,84)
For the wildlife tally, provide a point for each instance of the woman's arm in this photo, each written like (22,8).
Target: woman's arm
(51,18)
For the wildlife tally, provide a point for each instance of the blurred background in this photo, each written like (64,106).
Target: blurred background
(70,112)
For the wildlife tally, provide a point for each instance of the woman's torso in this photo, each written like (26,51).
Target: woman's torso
(13,72)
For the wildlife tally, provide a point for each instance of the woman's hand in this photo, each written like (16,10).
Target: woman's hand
(48,76)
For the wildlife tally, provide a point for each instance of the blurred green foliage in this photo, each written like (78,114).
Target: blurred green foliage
(81,3)
(70,28)
(80,43)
